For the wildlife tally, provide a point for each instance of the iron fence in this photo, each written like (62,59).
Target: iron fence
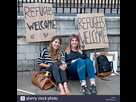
(77,6)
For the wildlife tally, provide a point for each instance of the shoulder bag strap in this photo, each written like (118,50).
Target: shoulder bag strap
(53,84)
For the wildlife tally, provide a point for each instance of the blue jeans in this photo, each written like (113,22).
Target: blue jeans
(79,68)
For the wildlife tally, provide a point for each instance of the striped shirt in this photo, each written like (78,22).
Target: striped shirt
(44,57)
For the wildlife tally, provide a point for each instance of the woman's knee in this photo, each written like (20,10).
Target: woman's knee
(88,60)
(81,61)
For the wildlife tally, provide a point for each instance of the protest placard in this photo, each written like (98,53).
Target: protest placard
(92,31)
(39,22)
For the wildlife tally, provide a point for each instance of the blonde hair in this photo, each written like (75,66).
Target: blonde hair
(58,51)
(68,48)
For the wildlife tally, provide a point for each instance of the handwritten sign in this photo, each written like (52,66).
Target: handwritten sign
(92,31)
(39,22)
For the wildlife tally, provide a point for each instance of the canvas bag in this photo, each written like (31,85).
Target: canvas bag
(42,81)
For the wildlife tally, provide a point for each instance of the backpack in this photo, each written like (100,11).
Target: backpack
(104,66)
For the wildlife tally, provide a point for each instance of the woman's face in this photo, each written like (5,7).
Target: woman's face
(56,44)
(74,43)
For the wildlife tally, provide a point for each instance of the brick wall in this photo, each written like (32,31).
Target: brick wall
(27,53)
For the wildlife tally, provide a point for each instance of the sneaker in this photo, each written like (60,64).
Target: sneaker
(85,90)
(93,89)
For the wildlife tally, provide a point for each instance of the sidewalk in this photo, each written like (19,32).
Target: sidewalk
(111,87)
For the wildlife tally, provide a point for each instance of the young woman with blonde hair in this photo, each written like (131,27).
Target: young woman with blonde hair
(52,59)
(79,65)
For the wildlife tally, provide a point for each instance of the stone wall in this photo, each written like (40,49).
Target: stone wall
(27,53)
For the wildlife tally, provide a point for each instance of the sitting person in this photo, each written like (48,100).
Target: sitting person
(52,59)
(79,64)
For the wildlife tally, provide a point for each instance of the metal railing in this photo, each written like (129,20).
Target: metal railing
(77,6)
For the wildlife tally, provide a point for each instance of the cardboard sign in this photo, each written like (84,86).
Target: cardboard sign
(92,31)
(39,22)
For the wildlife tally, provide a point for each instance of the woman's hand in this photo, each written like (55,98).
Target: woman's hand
(63,66)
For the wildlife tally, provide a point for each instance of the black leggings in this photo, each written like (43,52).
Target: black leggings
(58,74)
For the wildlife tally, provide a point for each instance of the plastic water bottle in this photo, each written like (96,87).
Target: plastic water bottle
(47,73)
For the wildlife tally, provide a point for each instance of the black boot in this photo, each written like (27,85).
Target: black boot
(85,90)
(93,89)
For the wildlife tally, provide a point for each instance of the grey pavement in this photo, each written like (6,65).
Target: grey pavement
(111,87)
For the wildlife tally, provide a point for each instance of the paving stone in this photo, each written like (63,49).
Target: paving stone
(111,87)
